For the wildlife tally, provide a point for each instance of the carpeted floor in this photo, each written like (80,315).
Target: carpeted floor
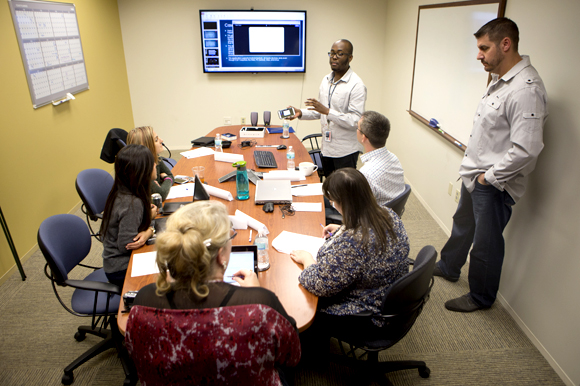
(482,348)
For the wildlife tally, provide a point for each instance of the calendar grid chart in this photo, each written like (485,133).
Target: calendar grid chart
(52,53)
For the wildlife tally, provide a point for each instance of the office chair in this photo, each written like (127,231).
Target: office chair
(116,140)
(234,345)
(398,204)
(94,186)
(401,307)
(65,241)
(315,153)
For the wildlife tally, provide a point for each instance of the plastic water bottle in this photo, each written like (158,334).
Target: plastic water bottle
(218,143)
(285,129)
(242,184)
(263,258)
(291,165)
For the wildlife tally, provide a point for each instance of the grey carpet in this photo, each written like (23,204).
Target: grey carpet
(482,348)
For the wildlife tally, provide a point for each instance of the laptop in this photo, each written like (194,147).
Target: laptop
(241,257)
(199,193)
(274,191)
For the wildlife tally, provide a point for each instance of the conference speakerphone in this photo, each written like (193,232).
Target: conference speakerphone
(252,132)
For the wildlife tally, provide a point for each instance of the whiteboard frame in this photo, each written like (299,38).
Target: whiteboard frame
(442,133)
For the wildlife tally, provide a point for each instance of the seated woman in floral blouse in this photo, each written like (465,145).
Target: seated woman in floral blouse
(360,259)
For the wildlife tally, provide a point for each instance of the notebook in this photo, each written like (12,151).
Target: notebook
(199,193)
(274,191)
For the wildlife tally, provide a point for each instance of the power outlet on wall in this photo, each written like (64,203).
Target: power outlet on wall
(450,188)
(227,121)
(243,120)
(457,195)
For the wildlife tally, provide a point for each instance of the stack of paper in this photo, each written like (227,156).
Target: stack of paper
(307,190)
(287,242)
(199,152)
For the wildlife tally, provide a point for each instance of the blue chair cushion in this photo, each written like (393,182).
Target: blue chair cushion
(82,300)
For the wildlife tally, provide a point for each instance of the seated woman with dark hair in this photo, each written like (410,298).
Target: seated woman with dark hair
(163,179)
(192,255)
(128,211)
(360,259)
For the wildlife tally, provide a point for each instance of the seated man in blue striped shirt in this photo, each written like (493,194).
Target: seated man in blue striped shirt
(381,168)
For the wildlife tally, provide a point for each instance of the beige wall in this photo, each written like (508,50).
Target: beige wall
(44,149)
(170,91)
(540,277)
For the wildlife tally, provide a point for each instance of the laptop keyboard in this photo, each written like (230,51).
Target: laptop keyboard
(265,159)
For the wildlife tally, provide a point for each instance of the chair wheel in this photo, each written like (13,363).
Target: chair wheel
(424,372)
(68,378)
(79,336)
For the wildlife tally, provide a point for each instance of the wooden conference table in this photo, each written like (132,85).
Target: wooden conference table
(282,276)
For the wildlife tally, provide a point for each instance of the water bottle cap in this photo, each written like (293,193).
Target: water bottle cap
(241,165)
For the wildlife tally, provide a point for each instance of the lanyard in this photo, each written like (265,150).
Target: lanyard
(331,90)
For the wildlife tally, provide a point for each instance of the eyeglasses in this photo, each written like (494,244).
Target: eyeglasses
(337,54)
(360,131)
(234,234)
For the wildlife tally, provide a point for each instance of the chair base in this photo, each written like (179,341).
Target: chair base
(374,370)
(111,339)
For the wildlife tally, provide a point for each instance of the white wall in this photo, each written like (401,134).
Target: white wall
(540,277)
(170,91)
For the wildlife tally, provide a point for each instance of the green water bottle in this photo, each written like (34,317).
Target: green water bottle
(242,184)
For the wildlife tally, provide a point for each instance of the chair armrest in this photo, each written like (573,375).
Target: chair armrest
(94,286)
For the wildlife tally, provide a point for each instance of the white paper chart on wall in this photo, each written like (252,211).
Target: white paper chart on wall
(51,49)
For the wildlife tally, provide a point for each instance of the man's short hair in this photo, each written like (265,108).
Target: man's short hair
(499,28)
(348,43)
(376,127)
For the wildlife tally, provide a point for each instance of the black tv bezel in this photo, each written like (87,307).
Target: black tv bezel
(251,71)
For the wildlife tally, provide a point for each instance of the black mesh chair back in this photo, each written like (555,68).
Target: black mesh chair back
(315,152)
(116,140)
(398,204)
(402,305)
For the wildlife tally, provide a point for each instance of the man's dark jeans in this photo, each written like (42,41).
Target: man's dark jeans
(480,219)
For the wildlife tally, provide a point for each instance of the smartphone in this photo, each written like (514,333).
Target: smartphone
(286,113)
(180,180)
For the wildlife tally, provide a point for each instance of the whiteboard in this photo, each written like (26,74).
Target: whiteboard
(51,49)
(448,81)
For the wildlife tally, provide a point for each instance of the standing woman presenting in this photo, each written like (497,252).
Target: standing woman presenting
(128,212)
(163,178)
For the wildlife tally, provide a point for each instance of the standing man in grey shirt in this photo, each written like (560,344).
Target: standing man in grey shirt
(341,101)
(502,150)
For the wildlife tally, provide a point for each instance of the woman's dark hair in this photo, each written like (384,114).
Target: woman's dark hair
(350,189)
(133,168)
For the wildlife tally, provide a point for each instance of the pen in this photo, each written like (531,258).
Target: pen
(296,186)
(250,235)
(458,144)
(330,233)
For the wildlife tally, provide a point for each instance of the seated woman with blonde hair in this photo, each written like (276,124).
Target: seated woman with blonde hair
(146,136)
(192,255)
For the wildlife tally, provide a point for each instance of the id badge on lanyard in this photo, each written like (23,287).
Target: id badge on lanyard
(327,133)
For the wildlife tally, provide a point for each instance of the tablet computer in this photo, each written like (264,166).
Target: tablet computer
(241,257)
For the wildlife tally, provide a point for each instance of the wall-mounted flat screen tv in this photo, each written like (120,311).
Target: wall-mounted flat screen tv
(253,41)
